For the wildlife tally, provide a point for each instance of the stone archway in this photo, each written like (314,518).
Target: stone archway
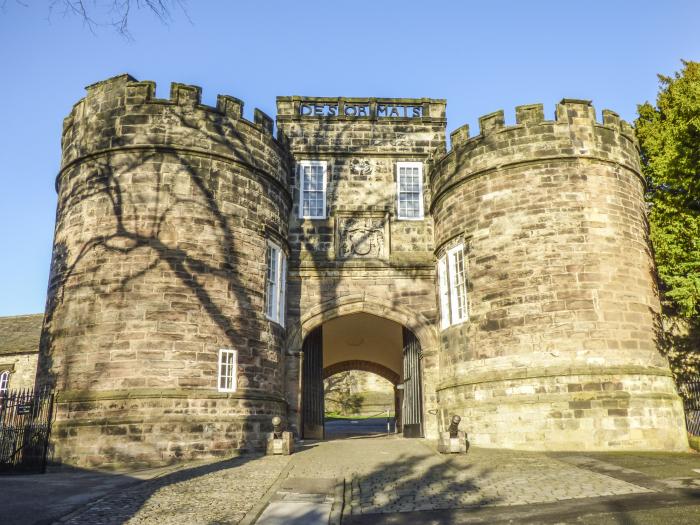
(362,303)
(365,366)
(313,319)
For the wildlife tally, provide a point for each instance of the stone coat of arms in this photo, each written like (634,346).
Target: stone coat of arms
(361,237)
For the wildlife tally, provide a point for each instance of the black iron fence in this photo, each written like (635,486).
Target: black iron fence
(690,392)
(25,423)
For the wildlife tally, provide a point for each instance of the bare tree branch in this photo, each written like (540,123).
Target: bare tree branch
(115,14)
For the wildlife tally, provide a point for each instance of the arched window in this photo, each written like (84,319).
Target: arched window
(4,379)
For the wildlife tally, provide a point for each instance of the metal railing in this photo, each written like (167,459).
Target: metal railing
(690,392)
(25,423)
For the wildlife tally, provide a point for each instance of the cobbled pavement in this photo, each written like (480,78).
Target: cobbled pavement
(384,474)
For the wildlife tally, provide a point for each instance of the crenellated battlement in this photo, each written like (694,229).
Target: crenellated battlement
(568,112)
(574,132)
(124,113)
(126,90)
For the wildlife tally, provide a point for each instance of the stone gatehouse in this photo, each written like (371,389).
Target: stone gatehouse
(207,270)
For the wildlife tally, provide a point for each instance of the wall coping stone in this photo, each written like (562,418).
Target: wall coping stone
(493,376)
(69,396)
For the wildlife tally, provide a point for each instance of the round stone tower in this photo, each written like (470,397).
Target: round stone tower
(559,351)
(165,211)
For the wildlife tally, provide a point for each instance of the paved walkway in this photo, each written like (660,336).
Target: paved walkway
(386,479)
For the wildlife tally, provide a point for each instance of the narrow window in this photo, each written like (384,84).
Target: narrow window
(4,380)
(458,284)
(271,291)
(228,363)
(409,185)
(452,287)
(275,283)
(444,293)
(312,190)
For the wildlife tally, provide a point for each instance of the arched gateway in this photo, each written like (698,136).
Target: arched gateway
(198,258)
(402,340)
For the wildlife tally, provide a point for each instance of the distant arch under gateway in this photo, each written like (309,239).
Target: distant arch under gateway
(364,366)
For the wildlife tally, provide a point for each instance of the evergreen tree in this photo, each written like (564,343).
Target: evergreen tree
(669,136)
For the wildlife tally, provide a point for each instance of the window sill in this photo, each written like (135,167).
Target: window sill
(276,321)
(456,323)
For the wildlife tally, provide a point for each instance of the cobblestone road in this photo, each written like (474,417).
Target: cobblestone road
(400,475)
(216,493)
(388,474)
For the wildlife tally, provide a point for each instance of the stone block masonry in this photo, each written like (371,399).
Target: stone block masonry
(165,211)
(560,351)
(165,208)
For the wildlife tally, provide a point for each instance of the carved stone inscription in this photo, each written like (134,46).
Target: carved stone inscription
(362,237)
(324,109)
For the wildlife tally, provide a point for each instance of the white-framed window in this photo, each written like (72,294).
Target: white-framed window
(312,189)
(228,366)
(4,381)
(452,287)
(275,283)
(444,290)
(409,190)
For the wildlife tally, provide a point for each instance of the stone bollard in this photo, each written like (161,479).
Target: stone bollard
(279,442)
(454,441)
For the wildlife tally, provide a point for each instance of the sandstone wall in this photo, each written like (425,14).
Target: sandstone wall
(560,348)
(22,369)
(362,153)
(164,210)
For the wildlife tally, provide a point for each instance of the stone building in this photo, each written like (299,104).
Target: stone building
(207,270)
(19,348)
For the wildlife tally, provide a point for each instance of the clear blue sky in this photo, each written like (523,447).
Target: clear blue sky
(480,56)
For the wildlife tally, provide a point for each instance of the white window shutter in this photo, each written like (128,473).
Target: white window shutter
(444,293)
(453,285)
(282,288)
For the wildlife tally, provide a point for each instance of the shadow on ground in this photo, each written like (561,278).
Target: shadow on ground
(41,499)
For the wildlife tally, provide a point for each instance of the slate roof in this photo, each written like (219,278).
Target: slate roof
(20,334)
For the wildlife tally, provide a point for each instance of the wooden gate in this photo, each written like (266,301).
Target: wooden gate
(312,409)
(412,412)
(25,423)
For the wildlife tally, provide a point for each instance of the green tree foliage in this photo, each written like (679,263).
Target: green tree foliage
(669,136)
(340,394)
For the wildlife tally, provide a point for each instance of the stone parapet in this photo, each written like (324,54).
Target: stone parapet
(574,133)
(123,114)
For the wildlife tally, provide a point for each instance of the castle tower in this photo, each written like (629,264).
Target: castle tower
(559,348)
(157,335)
(509,281)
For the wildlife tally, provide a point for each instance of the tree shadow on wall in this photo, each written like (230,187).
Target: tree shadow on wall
(151,249)
(327,274)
